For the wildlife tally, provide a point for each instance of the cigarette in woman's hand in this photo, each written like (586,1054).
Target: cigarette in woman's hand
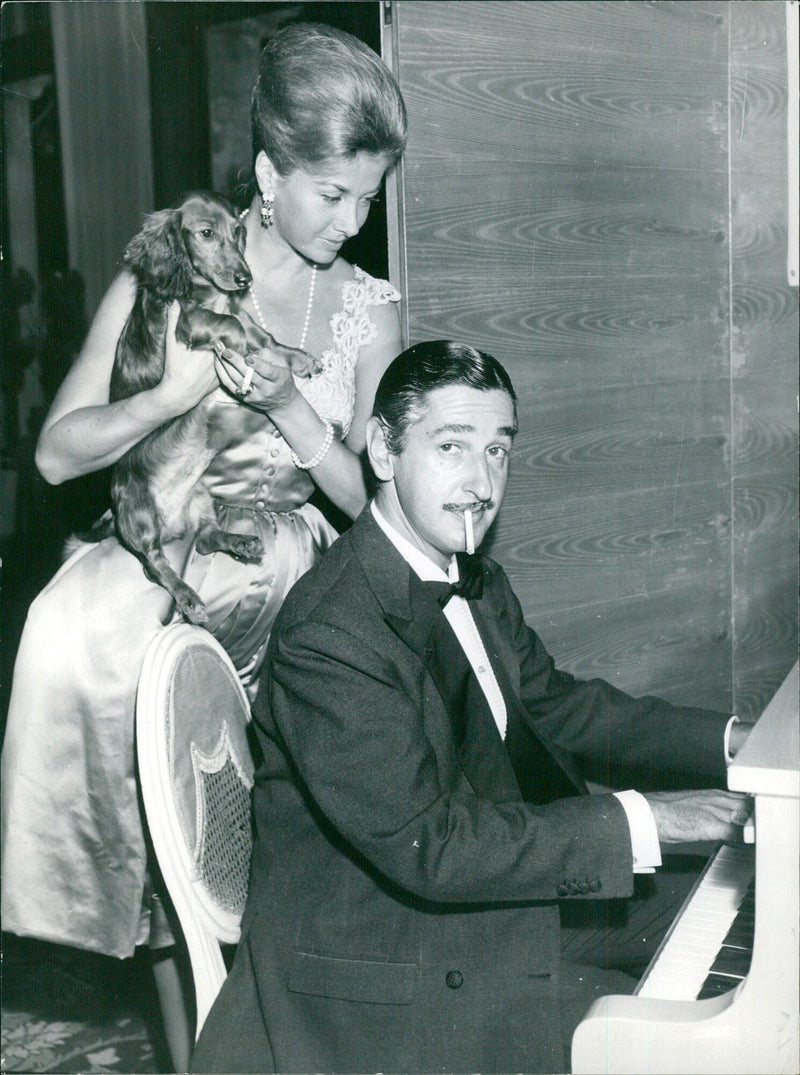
(468,534)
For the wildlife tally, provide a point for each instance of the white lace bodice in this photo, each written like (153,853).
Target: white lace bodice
(332,391)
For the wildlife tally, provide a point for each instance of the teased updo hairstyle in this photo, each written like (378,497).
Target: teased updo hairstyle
(322,95)
(400,400)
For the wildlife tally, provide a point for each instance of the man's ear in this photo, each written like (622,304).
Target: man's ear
(380,458)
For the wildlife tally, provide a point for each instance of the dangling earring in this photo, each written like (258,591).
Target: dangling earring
(267,215)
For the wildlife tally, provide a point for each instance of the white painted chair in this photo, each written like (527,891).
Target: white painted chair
(196,773)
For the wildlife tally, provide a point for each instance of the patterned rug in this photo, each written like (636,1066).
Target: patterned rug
(70,1011)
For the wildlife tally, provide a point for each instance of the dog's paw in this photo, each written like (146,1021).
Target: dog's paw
(245,547)
(250,549)
(303,364)
(191,607)
(195,613)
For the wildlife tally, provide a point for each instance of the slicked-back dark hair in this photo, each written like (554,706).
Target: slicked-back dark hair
(401,398)
(322,95)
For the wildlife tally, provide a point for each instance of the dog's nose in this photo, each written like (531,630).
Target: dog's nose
(243,278)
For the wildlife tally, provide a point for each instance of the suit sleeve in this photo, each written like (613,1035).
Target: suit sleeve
(380,766)
(645,741)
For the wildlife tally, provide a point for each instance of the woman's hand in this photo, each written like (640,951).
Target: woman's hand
(264,379)
(189,376)
(83,431)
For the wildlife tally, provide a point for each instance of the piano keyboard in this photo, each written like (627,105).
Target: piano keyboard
(707,946)
(734,957)
(693,1011)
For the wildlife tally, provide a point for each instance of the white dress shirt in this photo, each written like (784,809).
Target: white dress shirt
(644,835)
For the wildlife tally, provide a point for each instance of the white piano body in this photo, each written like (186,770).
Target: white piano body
(754,1028)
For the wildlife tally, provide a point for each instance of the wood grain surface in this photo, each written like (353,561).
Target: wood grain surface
(764,340)
(595,194)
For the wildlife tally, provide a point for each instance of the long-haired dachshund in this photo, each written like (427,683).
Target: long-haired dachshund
(193,253)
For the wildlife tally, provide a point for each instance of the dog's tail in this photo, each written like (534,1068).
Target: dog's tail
(97,532)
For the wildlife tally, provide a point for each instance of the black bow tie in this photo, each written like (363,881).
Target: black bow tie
(470,580)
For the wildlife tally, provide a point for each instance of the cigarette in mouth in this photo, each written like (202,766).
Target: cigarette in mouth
(470,537)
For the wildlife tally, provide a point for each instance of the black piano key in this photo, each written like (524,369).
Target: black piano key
(716,984)
(732,961)
(749,899)
(739,937)
(745,920)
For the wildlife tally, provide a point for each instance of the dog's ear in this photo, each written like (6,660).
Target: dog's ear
(157,256)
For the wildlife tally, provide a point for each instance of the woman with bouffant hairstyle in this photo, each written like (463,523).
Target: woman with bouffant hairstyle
(328,124)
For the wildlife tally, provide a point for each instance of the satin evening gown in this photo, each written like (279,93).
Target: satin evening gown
(74,856)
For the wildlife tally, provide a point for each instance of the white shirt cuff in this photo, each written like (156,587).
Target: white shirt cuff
(726,742)
(644,834)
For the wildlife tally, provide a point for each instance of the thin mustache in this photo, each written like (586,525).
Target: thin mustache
(480,505)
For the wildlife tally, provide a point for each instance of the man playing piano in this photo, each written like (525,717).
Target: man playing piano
(422,820)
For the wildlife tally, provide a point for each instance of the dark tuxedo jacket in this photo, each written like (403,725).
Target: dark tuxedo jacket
(403,910)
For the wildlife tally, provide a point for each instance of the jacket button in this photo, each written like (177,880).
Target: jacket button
(454,979)
(595,886)
(562,890)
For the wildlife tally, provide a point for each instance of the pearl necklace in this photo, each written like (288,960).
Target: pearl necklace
(309,306)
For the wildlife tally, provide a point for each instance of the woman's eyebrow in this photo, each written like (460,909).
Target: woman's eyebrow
(346,190)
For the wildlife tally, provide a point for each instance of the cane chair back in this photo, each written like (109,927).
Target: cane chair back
(196,775)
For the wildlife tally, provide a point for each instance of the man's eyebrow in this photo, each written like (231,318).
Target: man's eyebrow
(453,427)
(465,427)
